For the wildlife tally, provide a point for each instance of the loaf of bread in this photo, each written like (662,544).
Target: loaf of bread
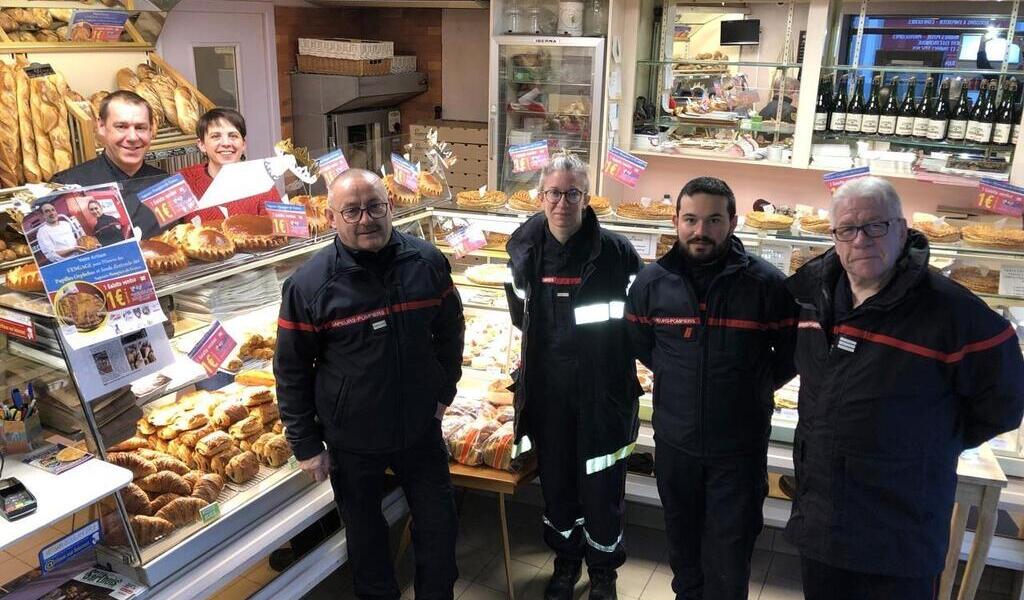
(136,502)
(47,35)
(144,71)
(164,87)
(21,16)
(243,467)
(44,118)
(152,97)
(62,32)
(95,101)
(140,467)
(162,500)
(60,14)
(208,487)
(187,106)
(56,94)
(41,18)
(26,129)
(255,377)
(10,135)
(149,529)
(165,481)
(7,22)
(127,79)
(182,511)
(498,447)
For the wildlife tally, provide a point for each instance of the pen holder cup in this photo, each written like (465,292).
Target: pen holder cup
(18,437)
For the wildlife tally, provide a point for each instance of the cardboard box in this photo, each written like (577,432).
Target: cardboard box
(474,152)
(453,132)
(470,181)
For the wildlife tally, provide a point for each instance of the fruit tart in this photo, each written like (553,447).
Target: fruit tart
(208,245)
(162,257)
(252,232)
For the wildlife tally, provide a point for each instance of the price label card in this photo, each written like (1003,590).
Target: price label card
(1011,281)
(331,165)
(210,512)
(213,349)
(645,244)
(293,463)
(1000,198)
(288,219)
(777,254)
(406,173)
(835,180)
(170,200)
(17,325)
(624,167)
(529,157)
(466,239)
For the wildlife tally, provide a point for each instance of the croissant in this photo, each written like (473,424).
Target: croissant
(163,500)
(149,529)
(168,463)
(133,443)
(191,438)
(242,467)
(136,502)
(148,453)
(140,467)
(192,477)
(182,511)
(165,481)
(208,487)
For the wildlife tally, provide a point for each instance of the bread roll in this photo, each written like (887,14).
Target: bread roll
(127,79)
(152,97)
(44,119)
(22,16)
(41,18)
(164,87)
(22,36)
(10,135)
(46,35)
(95,100)
(60,14)
(188,109)
(62,32)
(7,22)
(26,129)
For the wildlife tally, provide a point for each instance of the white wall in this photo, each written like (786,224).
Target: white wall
(464,47)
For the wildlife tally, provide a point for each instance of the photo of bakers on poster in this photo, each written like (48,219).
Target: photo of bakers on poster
(91,265)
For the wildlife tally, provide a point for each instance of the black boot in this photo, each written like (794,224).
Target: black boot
(563,580)
(602,584)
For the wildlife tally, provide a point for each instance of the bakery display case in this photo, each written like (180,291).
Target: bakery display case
(718,81)
(94,25)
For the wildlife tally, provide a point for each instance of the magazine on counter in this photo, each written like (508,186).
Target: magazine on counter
(96,584)
(56,458)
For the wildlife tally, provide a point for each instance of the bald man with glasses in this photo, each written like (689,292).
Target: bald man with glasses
(369,350)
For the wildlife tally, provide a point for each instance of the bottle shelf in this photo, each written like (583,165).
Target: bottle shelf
(946,145)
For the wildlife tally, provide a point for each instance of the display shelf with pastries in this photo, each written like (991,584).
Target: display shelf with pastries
(25,27)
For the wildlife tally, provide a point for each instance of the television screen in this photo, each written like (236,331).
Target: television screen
(741,33)
(995,49)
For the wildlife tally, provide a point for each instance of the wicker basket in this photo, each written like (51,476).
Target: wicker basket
(403,64)
(340,66)
(348,49)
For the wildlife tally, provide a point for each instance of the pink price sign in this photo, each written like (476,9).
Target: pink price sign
(1000,198)
(529,157)
(331,165)
(406,173)
(170,200)
(624,167)
(213,349)
(288,219)
(836,179)
(466,239)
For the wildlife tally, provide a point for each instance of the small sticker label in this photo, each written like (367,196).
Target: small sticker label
(380,325)
(293,463)
(210,512)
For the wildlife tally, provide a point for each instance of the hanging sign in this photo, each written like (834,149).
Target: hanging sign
(624,167)
(1000,198)
(529,157)
(835,180)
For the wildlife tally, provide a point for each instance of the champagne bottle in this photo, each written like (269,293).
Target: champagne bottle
(891,110)
(980,128)
(924,110)
(1004,117)
(838,122)
(961,116)
(938,122)
(823,107)
(855,109)
(1017,109)
(869,121)
(905,122)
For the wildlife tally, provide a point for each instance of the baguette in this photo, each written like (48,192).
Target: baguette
(54,88)
(26,129)
(94,101)
(7,22)
(152,97)
(127,79)
(164,87)
(44,119)
(255,377)
(144,71)
(10,134)
(188,109)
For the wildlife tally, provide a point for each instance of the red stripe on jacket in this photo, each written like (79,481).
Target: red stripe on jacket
(946,357)
(366,316)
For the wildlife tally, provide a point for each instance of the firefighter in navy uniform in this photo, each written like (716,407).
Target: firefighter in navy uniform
(901,369)
(369,351)
(712,323)
(576,391)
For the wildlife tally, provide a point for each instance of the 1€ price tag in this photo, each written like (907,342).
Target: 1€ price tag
(331,165)
(1000,198)
(835,180)
(529,157)
(624,167)
(406,173)
(466,239)
(170,200)
(288,219)
(213,349)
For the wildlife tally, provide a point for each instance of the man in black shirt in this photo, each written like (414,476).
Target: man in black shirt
(126,129)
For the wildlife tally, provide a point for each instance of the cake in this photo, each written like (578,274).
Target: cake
(162,257)
(522,201)
(935,229)
(88,242)
(208,244)
(976,279)
(770,221)
(993,237)
(600,205)
(25,278)
(400,195)
(430,186)
(490,275)
(815,224)
(252,232)
(655,212)
(475,199)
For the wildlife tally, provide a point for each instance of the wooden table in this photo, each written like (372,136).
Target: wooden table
(487,479)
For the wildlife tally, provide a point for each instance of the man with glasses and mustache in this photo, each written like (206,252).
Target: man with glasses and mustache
(369,349)
(713,322)
(576,391)
(901,369)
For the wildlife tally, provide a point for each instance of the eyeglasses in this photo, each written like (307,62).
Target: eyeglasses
(875,229)
(354,214)
(571,195)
